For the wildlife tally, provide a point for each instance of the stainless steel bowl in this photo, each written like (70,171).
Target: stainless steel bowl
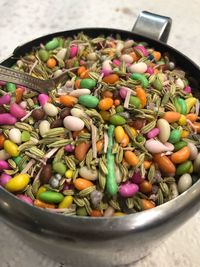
(115,241)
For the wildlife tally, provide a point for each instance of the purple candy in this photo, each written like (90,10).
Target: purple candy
(43,99)
(137,177)
(150,70)
(128,190)
(7,118)
(69,148)
(25,199)
(73,51)
(4,165)
(142,49)
(116,62)
(4,178)
(17,111)
(187,89)
(153,133)
(123,92)
(5,99)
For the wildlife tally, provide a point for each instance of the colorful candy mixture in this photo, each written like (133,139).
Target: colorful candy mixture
(118,136)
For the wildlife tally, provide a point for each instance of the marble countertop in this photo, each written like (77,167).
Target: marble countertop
(23,20)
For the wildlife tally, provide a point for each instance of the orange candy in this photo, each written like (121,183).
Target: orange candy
(192,117)
(141,94)
(19,93)
(82,184)
(81,70)
(145,187)
(2,140)
(156,55)
(181,155)
(171,116)
(111,79)
(99,145)
(68,101)
(117,102)
(41,204)
(147,164)
(77,84)
(147,204)
(125,141)
(51,63)
(131,158)
(106,94)
(95,213)
(197,126)
(164,164)
(105,103)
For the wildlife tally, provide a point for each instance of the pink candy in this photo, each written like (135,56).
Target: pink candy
(43,99)
(116,62)
(17,111)
(4,178)
(4,165)
(128,189)
(188,89)
(150,70)
(7,118)
(69,148)
(73,51)
(153,133)
(123,92)
(25,199)
(142,49)
(105,72)
(137,177)
(5,99)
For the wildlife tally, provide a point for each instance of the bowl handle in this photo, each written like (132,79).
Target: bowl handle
(152,25)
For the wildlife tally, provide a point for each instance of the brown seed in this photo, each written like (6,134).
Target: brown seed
(137,124)
(81,150)
(2,110)
(64,113)
(57,123)
(46,173)
(35,100)
(38,114)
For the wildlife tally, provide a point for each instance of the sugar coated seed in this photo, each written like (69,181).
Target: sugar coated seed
(119,133)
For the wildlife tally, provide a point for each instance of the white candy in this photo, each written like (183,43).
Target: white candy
(50,109)
(4,155)
(15,135)
(193,151)
(61,53)
(44,127)
(185,181)
(23,104)
(196,164)
(126,58)
(76,112)
(73,123)
(57,73)
(164,128)
(179,83)
(92,56)
(106,65)
(128,43)
(79,92)
(88,174)
(139,67)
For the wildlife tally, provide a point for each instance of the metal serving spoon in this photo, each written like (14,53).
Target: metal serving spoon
(21,78)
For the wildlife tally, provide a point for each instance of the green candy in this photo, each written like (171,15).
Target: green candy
(10,87)
(184,167)
(140,77)
(81,211)
(51,197)
(25,136)
(182,105)
(59,167)
(175,136)
(117,120)
(88,83)
(119,109)
(179,145)
(135,101)
(140,138)
(43,55)
(88,101)
(111,184)
(157,83)
(19,162)
(53,44)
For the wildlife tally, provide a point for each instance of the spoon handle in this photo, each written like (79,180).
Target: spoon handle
(20,78)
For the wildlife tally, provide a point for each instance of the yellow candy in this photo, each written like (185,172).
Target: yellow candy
(118,213)
(40,190)
(11,148)
(182,121)
(66,203)
(185,134)
(133,131)
(190,102)
(119,134)
(69,174)
(18,183)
